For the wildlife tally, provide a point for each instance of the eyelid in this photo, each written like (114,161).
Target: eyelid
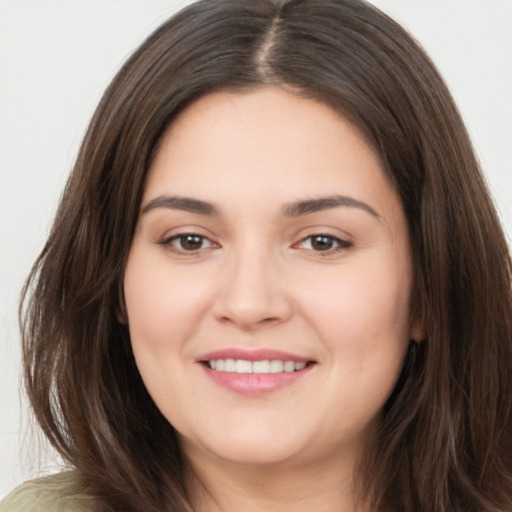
(166,241)
(341,243)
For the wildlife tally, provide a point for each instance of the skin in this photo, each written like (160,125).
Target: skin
(258,278)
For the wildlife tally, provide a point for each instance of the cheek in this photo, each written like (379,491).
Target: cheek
(163,309)
(362,318)
(162,305)
(360,300)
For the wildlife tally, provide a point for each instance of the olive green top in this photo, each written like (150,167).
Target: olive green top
(54,493)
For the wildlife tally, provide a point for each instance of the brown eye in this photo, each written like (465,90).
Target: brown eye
(187,243)
(190,242)
(322,243)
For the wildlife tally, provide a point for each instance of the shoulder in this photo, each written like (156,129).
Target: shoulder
(54,493)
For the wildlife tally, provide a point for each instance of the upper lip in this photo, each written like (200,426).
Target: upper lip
(260,354)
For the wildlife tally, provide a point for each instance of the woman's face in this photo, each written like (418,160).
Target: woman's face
(268,284)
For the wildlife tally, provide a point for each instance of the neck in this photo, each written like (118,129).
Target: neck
(220,486)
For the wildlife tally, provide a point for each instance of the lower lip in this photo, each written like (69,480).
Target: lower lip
(255,383)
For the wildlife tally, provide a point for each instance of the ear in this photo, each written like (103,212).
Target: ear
(417,329)
(121,315)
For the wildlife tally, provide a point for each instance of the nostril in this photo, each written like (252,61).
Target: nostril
(249,320)
(269,320)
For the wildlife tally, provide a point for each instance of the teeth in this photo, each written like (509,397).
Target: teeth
(265,366)
(276,366)
(260,367)
(242,366)
(289,366)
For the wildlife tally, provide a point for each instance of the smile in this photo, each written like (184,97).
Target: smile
(261,367)
(255,372)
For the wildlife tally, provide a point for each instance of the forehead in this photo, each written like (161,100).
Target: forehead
(266,144)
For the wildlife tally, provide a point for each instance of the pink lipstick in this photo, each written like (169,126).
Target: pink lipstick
(253,372)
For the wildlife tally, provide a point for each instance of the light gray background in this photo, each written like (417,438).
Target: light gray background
(56,58)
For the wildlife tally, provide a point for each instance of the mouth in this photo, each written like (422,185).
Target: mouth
(255,372)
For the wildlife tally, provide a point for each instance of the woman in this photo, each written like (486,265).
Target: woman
(275,281)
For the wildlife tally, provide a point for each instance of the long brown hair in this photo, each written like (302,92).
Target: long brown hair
(444,443)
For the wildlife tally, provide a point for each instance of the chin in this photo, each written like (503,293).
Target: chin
(247,449)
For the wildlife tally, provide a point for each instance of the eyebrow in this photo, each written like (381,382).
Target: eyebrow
(299,208)
(295,209)
(182,203)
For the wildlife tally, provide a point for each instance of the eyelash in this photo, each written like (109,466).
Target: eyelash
(324,238)
(341,245)
(168,243)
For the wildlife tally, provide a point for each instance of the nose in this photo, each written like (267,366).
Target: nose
(253,293)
